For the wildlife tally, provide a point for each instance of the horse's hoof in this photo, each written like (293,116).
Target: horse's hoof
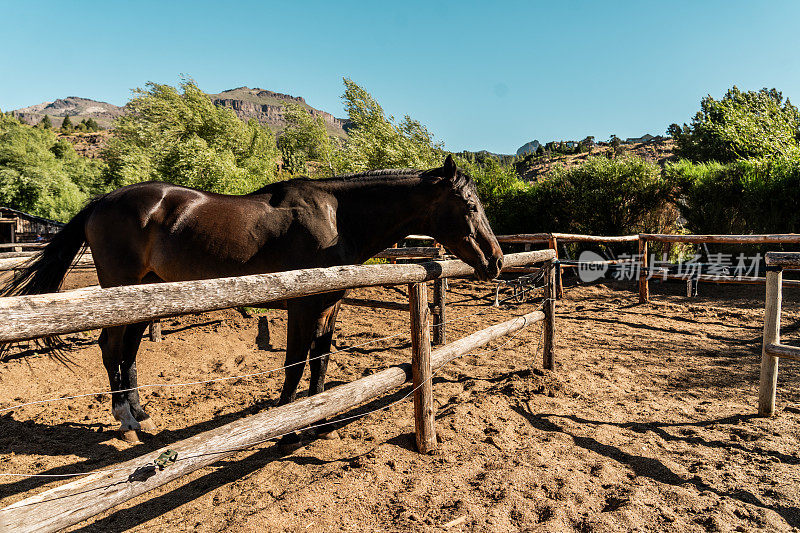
(148,426)
(130,437)
(329,435)
(290,443)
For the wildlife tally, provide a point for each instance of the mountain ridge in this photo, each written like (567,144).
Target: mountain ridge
(261,104)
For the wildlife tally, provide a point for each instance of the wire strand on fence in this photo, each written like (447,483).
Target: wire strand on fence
(306,428)
(241,376)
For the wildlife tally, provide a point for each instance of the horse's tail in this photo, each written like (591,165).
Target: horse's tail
(45,271)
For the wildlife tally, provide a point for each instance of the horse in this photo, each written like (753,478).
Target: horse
(155,232)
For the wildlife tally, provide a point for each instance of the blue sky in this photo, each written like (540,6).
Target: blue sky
(479,75)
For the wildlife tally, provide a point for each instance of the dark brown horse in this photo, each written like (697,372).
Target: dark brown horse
(153,232)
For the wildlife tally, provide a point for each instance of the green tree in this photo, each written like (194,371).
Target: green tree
(92,125)
(376,141)
(46,123)
(180,136)
(616,145)
(66,124)
(743,124)
(41,175)
(586,144)
(304,139)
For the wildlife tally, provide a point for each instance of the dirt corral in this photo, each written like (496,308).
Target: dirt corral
(646,424)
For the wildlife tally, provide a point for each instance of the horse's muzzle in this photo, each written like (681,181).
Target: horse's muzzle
(494,267)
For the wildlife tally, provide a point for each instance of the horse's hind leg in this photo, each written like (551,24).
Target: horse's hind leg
(130,346)
(111,344)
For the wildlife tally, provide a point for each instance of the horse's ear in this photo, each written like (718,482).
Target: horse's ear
(449,168)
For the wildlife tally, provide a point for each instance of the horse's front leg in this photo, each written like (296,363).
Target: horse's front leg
(310,327)
(299,334)
(319,357)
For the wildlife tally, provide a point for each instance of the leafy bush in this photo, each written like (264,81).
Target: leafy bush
(745,196)
(42,175)
(183,138)
(598,197)
(741,125)
(377,142)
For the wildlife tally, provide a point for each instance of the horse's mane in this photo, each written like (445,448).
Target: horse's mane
(462,180)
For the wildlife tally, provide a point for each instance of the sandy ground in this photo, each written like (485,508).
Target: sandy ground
(647,424)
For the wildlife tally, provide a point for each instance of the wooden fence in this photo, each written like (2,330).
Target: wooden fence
(644,271)
(771,348)
(27,317)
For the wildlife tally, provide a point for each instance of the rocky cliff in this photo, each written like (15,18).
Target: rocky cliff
(267,107)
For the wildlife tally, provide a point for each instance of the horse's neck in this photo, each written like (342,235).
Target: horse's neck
(374,218)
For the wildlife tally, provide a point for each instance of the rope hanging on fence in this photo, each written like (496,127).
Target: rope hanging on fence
(244,376)
(306,428)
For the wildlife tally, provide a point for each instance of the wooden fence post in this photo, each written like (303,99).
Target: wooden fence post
(548,351)
(772,335)
(644,287)
(559,292)
(421,367)
(440,313)
(155,330)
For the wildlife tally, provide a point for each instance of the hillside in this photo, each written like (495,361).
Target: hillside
(657,151)
(75,107)
(265,106)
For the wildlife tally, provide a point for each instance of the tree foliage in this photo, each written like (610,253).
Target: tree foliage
(42,175)
(66,124)
(743,124)
(304,139)
(745,196)
(376,141)
(181,137)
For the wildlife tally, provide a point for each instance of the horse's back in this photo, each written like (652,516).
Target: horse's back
(178,233)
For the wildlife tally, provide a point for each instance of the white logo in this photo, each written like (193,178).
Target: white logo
(591,266)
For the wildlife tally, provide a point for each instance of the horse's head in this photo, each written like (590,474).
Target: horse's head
(459,222)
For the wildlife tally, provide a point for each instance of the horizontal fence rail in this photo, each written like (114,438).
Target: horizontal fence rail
(780,238)
(533,238)
(783,260)
(88,496)
(29,317)
(783,350)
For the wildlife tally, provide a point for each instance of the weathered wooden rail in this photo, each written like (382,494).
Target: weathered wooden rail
(26,317)
(645,273)
(552,240)
(771,348)
(12,261)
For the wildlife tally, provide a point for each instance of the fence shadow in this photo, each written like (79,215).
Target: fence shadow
(233,470)
(653,468)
